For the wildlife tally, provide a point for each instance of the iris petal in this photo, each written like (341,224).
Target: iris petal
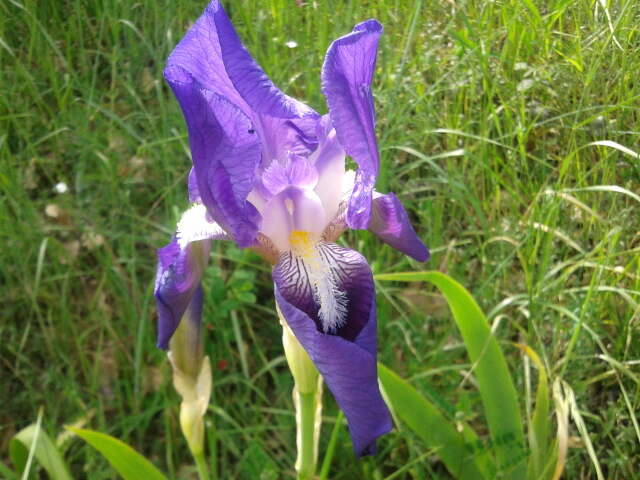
(180,267)
(225,155)
(330,165)
(192,187)
(217,82)
(214,55)
(347,74)
(346,359)
(390,223)
(177,279)
(200,55)
(253,85)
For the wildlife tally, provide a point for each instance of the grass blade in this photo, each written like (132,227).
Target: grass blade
(31,442)
(540,422)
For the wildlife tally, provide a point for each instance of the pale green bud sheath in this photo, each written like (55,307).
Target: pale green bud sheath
(192,380)
(307,399)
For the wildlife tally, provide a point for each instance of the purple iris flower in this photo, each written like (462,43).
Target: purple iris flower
(269,173)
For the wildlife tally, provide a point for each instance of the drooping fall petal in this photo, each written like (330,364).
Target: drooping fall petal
(346,357)
(391,224)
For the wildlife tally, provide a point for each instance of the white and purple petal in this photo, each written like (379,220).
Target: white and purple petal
(295,171)
(347,75)
(180,267)
(346,358)
(391,224)
(329,161)
(237,118)
(177,280)
(293,208)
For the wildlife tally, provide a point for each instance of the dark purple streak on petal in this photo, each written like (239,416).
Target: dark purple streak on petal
(347,75)
(390,223)
(351,274)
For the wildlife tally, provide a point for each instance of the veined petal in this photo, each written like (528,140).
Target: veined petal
(225,152)
(347,74)
(214,55)
(346,358)
(192,187)
(295,171)
(180,267)
(390,223)
(330,164)
(253,85)
(283,136)
(292,209)
(199,54)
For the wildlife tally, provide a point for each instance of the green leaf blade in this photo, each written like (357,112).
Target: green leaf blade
(124,459)
(426,421)
(498,394)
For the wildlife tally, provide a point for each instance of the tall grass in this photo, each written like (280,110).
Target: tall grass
(486,116)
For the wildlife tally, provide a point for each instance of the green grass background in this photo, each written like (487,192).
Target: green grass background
(485,115)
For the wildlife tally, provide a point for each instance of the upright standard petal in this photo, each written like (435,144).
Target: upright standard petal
(347,74)
(212,53)
(250,81)
(345,355)
(225,152)
(390,223)
(329,161)
(199,54)
(180,267)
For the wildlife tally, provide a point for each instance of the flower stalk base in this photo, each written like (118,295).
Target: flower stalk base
(307,400)
(308,421)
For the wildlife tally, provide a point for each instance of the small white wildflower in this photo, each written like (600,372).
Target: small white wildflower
(291,44)
(61,187)
(525,85)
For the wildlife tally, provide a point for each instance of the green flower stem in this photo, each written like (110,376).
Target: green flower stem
(307,399)
(307,406)
(201,465)
(331,447)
